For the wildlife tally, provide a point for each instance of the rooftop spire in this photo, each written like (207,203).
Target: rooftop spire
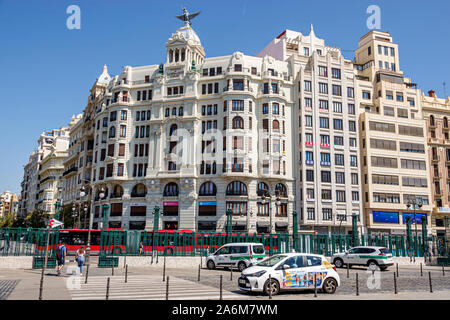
(312,30)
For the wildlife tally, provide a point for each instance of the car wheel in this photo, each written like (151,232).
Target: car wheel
(242,266)
(338,263)
(274,287)
(211,265)
(372,265)
(329,286)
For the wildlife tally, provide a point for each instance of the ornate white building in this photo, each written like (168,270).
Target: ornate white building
(194,136)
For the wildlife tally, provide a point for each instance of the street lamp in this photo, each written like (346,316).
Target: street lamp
(419,204)
(74,214)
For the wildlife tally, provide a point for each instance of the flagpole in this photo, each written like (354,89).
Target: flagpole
(45,264)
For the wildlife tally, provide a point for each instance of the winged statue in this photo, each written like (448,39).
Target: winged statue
(187,17)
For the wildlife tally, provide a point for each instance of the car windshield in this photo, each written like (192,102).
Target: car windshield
(270,262)
(385,251)
(258,249)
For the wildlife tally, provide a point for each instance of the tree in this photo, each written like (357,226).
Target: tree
(37,218)
(7,221)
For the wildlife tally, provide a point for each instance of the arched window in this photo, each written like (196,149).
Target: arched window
(174,111)
(281,189)
(238,123)
(276,126)
(180,111)
(139,190)
(183,54)
(261,188)
(167,112)
(171,190)
(117,191)
(173,130)
(208,189)
(112,132)
(170,55)
(177,54)
(236,188)
(445,122)
(431,120)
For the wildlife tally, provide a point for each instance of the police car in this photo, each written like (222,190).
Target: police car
(372,257)
(240,255)
(290,271)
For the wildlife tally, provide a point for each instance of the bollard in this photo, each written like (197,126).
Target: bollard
(41,287)
(167,288)
(107,289)
(220,298)
(231,274)
(395,283)
(164,269)
(199,267)
(397,268)
(87,272)
(429,277)
(348,270)
(421,270)
(270,287)
(357,287)
(126,273)
(315,286)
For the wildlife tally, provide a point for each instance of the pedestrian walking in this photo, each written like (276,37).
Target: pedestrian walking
(141,248)
(80,256)
(61,252)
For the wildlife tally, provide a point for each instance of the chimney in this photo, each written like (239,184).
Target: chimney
(431,94)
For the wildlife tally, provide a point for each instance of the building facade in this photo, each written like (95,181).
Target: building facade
(194,136)
(8,203)
(325,122)
(436,113)
(395,165)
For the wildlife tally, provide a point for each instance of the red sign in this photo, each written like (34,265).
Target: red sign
(170,204)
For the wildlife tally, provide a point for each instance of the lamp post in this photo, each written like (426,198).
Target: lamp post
(74,214)
(419,204)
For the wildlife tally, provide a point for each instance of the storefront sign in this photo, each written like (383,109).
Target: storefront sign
(170,204)
(207,203)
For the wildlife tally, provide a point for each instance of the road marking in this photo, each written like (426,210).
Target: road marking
(146,287)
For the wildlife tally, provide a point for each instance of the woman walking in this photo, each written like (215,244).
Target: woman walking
(81,253)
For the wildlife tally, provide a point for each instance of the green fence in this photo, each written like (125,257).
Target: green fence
(31,242)
(27,242)
(113,243)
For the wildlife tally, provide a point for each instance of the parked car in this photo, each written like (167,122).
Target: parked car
(290,271)
(240,255)
(372,257)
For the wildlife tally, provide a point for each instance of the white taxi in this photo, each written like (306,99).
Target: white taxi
(290,271)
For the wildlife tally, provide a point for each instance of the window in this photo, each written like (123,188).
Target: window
(238,84)
(310,175)
(324,123)
(355,196)
(337,124)
(308,86)
(413,164)
(112,132)
(306,51)
(339,159)
(335,73)
(308,103)
(389,111)
(338,140)
(382,126)
(385,179)
(350,92)
(238,123)
(123,131)
(275,108)
(337,90)
(384,162)
(323,71)
(386,197)
(340,177)
(327,214)
(171,190)
(311,214)
(337,107)
(414,182)
(352,126)
(236,188)
(238,67)
(276,126)
(323,88)
(326,194)
(340,196)
(383,144)
(323,105)
(121,149)
(354,178)
(325,159)
(402,113)
(366,95)
(310,194)
(325,176)
(351,109)
(410,131)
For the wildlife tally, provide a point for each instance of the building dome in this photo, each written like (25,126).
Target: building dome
(187,33)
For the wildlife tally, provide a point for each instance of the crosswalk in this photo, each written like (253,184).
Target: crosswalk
(146,287)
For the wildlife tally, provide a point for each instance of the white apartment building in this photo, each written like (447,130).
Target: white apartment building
(32,193)
(395,165)
(325,130)
(194,136)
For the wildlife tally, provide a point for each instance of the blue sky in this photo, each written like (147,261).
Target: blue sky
(47,70)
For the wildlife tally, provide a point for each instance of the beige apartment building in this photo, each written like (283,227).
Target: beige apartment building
(395,165)
(8,203)
(436,113)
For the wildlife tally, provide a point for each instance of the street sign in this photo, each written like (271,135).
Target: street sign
(53,223)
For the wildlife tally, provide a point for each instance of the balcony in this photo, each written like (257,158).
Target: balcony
(435,158)
(73,169)
(237,167)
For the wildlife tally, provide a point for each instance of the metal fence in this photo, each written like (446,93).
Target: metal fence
(31,242)
(27,242)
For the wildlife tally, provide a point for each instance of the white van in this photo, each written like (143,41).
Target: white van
(240,255)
